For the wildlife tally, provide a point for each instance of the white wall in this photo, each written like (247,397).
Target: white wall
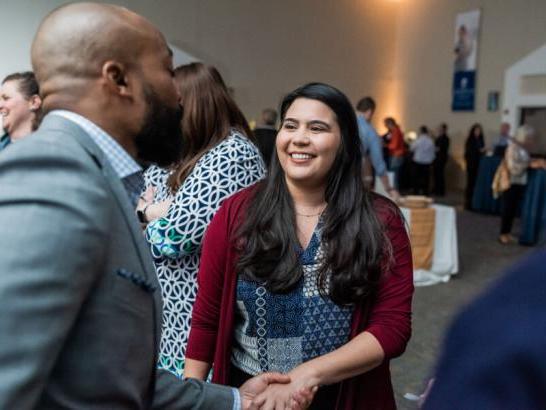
(400,52)
(510,30)
(18,23)
(533,64)
(263,48)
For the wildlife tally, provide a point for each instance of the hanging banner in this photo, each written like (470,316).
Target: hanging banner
(467,27)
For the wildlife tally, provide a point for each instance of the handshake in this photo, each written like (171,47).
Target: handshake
(276,391)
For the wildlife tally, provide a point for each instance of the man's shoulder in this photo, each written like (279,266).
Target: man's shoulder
(51,161)
(48,146)
(59,137)
(366,130)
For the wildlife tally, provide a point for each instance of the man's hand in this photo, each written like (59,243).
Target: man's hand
(284,397)
(295,395)
(257,385)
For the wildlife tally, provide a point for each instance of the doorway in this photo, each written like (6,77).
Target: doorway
(536,118)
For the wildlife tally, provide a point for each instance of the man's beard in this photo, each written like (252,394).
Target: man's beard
(160,139)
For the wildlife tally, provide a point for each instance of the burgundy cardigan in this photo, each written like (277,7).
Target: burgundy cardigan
(388,317)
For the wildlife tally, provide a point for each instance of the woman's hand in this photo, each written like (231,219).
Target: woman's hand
(275,397)
(153,211)
(158,210)
(282,397)
(258,384)
(302,399)
(298,394)
(148,195)
(146,198)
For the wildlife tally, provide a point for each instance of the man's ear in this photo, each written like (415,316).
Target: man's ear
(115,75)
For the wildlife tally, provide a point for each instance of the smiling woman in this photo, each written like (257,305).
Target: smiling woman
(306,272)
(307,142)
(19,106)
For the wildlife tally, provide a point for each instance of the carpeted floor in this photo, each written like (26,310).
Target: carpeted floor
(482,260)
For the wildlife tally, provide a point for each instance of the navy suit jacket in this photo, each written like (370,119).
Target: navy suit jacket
(495,353)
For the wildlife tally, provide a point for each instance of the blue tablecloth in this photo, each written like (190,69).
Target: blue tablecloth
(533,210)
(533,207)
(482,199)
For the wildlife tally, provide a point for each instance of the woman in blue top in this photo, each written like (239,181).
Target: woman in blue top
(218,160)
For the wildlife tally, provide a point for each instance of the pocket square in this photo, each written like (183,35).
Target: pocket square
(137,279)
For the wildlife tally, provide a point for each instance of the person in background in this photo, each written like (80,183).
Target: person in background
(371,143)
(423,150)
(517,161)
(396,148)
(266,133)
(502,141)
(307,272)
(484,365)
(20,106)
(473,152)
(218,159)
(439,165)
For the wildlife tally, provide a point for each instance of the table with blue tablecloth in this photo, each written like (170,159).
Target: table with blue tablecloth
(533,207)
(482,198)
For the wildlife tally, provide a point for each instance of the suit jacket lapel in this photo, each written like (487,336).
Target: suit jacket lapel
(122,198)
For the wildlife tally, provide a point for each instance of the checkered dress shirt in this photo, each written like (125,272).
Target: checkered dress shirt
(126,168)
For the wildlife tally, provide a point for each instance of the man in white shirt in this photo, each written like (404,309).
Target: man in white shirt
(424,153)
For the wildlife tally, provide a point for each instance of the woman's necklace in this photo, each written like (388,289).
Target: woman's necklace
(310,215)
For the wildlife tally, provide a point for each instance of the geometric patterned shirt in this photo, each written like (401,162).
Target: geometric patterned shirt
(277,332)
(175,240)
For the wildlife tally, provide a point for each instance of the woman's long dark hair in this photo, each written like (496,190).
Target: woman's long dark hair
(471,147)
(353,240)
(473,128)
(209,115)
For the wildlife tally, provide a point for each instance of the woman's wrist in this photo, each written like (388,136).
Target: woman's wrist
(308,374)
(150,212)
(141,212)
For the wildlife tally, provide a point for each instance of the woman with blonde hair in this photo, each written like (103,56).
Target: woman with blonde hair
(517,161)
(218,159)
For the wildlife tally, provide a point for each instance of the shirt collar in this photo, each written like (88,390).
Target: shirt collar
(5,140)
(123,164)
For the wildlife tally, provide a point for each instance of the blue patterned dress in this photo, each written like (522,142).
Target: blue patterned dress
(277,332)
(175,240)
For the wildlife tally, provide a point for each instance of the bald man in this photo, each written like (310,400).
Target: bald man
(81,309)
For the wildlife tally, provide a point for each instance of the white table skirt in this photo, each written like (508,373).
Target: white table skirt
(445,259)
